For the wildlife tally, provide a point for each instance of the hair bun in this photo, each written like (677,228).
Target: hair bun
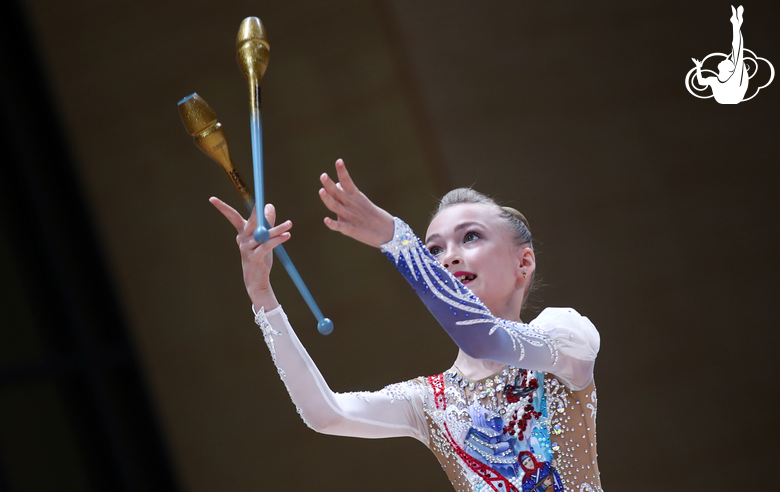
(517,214)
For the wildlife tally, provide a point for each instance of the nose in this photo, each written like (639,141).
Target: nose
(451,260)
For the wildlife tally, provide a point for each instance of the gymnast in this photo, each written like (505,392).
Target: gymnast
(731,84)
(517,409)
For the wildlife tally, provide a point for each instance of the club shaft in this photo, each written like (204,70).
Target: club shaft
(257,147)
(281,253)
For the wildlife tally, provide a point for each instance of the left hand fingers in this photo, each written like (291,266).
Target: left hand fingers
(333,205)
(345,180)
(334,190)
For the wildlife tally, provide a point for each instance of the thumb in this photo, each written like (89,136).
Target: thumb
(270,213)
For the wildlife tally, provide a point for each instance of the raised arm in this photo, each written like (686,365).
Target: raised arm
(702,81)
(563,343)
(559,341)
(394,411)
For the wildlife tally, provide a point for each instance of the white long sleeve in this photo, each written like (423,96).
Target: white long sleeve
(395,411)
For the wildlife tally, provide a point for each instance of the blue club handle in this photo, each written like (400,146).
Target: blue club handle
(261,234)
(324,325)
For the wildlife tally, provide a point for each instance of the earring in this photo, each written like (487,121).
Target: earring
(524,274)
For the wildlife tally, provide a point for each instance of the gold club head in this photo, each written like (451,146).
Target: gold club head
(252,49)
(196,114)
(201,122)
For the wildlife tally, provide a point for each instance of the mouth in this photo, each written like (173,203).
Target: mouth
(464,277)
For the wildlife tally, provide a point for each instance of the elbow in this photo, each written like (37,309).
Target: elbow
(323,424)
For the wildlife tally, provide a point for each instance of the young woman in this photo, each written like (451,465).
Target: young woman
(517,410)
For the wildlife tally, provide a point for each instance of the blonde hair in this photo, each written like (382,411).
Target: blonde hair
(517,223)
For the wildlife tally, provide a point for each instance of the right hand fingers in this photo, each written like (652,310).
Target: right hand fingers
(279,234)
(229,212)
(270,214)
(246,228)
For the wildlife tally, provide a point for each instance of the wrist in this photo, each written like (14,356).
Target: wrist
(263,298)
(388,231)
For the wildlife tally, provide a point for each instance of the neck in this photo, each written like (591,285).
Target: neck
(510,307)
(476,369)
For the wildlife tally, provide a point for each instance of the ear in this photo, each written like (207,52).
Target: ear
(526,262)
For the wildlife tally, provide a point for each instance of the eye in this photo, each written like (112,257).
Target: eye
(434,250)
(470,236)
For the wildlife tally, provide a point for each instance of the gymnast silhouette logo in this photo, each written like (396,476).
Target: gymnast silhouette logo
(735,70)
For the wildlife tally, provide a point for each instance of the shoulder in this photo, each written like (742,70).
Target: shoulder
(576,335)
(421,385)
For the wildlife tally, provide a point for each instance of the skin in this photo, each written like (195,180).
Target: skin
(473,238)
(465,237)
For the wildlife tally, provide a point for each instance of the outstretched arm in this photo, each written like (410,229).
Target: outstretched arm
(465,318)
(559,341)
(392,412)
(702,81)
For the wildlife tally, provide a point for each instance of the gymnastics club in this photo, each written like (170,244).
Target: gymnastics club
(201,122)
(253,52)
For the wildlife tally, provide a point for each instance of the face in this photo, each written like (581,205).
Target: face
(725,68)
(475,244)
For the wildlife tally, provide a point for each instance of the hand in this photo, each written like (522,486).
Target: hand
(358,218)
(256,259)
(697,62)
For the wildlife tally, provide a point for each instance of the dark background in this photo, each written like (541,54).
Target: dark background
(128,356)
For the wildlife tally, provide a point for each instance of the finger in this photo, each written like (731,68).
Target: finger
(334,206)
(251,224)
(333,190)
(280,229)
(246,234)
(269,245)
(274,242)
(229,213)
(345,179)
(335,225)
(270,213)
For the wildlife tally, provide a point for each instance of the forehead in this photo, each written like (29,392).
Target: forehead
(449,218)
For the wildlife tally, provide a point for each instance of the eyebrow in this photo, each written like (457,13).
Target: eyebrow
(462,225)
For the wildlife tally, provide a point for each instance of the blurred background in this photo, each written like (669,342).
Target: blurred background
(128,356)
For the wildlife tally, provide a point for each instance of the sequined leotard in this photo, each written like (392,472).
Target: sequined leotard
(529,427)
